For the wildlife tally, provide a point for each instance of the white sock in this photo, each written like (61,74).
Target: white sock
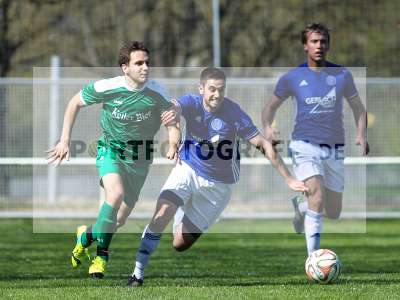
(303,206)
(148,244)
(313,228)
(139,271)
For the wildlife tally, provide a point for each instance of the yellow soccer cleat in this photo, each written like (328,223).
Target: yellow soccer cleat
(79,253)
(98,267)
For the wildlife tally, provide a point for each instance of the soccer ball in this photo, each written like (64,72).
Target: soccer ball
(323,266)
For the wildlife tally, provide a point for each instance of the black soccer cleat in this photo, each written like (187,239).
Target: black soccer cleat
(134,282)
(97,275)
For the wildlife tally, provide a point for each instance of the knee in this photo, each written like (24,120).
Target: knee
(333,214)
(159,218)
(184,241)
(179,246)
(316,195)
(121,222)
(115,196)
(163,213)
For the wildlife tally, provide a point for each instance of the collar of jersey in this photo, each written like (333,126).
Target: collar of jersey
(328,65)
(132,89)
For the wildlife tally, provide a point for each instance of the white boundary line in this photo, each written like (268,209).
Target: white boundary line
(382,160)
(270,215)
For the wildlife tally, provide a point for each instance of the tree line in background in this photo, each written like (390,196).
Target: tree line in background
(254,33)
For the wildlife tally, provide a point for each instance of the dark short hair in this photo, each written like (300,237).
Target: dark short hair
(211,73)
(314,27)
(127,49)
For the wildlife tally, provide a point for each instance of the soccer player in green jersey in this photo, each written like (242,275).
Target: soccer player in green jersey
(133,109)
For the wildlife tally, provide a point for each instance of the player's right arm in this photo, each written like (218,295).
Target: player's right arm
(268,115)
(61,149)
(276,160)
(282,91)
(360,117)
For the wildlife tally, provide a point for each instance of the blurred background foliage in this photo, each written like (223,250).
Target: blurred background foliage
(179,32)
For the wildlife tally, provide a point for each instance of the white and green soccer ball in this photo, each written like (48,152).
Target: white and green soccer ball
(323,266)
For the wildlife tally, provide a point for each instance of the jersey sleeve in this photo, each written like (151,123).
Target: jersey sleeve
(185,102)
(350,90)
(244,125)
(164,102)
(90,96)
(282,89)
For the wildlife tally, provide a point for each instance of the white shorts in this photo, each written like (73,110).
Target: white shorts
(310,160)
(203,200)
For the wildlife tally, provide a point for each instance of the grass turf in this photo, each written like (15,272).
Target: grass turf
(219,266)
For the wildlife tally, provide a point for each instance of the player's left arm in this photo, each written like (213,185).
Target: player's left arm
(276,160)
(171,119)
(174,137)
(172,115)
(360,117)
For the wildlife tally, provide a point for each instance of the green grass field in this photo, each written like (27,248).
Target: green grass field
(219,266)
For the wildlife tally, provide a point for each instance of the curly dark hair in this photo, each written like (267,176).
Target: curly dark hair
(314,27)
(127,49)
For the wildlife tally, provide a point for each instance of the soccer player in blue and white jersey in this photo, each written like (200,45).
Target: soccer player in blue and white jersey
(318,88)
(200,183)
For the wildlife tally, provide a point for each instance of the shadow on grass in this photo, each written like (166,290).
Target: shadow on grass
(119,281)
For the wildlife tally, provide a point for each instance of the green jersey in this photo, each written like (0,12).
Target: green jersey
(130,117)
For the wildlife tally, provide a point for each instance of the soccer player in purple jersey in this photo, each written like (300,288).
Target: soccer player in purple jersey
(200,183)
(317,87)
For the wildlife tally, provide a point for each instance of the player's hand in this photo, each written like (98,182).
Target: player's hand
(170,117)
(59,153)
(173,154)
(272,135)
(296,185)
(361,141)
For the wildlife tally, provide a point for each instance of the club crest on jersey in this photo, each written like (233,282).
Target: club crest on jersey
(216,124)
(331,80)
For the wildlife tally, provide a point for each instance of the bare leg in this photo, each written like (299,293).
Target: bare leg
(185,235)
(333,204)
(123,214)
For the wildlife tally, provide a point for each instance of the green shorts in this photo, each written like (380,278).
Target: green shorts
(133,177)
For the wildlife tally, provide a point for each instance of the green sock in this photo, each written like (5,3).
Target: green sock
(87,237)
(104,227)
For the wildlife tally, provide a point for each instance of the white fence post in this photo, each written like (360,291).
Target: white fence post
(54,100)
(216,34)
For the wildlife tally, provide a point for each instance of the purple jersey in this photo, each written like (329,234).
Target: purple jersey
(211,140)
(319,100)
